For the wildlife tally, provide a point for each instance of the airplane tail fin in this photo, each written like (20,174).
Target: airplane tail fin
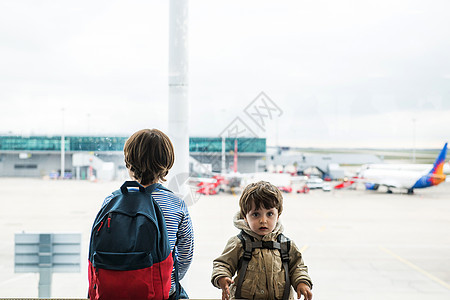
(438,167)
(436,174)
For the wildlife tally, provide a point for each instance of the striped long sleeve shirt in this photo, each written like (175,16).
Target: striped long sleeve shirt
(179,228)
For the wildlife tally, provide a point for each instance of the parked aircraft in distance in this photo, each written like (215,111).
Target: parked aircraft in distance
(235,181)
(405,177)
(410,167)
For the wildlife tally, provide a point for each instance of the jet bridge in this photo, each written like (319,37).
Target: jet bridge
(93,166)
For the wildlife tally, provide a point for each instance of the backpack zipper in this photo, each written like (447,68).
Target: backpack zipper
(99,227)
(109,221)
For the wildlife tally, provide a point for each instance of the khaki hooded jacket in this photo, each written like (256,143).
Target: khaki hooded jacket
(264,270)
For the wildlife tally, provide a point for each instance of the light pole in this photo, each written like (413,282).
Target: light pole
(62,147)
(414,140)
(88,124)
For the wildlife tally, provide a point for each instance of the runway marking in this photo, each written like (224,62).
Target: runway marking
(303,249)
(417,268)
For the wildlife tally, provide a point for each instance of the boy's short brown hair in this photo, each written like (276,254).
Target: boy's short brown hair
(149,155)
(263,194)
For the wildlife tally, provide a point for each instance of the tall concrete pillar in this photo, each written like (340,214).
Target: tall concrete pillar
(178,93)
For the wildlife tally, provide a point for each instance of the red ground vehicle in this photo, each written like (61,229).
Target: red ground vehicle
(303,190)
(210,188)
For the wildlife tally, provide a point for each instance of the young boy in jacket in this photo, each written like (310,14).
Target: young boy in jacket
(260,204)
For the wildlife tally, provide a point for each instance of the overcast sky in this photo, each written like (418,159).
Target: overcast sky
(343,73)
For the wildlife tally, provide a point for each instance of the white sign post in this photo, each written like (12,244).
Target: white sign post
(47,253)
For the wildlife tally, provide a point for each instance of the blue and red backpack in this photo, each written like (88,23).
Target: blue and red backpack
(129,252)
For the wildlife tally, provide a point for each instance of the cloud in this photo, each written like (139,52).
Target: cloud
(343,72)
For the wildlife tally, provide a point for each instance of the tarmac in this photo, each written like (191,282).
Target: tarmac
(357,244)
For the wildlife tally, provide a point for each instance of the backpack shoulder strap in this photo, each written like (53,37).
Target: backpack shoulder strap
(116,193)
(285,246)
(247,241)
(247,245)
(161,187)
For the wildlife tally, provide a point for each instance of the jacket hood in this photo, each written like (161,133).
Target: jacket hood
(240,224)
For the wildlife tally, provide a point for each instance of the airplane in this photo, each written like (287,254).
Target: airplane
(410,167)
(405,177)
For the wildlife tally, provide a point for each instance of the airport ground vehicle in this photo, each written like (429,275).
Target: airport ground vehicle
(326,187)
(303,190)
(314,183)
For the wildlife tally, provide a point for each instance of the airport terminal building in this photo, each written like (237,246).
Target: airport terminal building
(100,157)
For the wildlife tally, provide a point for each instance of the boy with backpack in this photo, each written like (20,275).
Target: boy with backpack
(266,262)
(142,239)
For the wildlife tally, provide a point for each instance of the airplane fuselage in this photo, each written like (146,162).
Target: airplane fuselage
(405,176)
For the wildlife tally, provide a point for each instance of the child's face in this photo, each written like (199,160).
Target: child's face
(262,221)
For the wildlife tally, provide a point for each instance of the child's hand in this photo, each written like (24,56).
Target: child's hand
(224,283)
(303,289)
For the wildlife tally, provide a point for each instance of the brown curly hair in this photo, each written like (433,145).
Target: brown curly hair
(149,155)
(262,193)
